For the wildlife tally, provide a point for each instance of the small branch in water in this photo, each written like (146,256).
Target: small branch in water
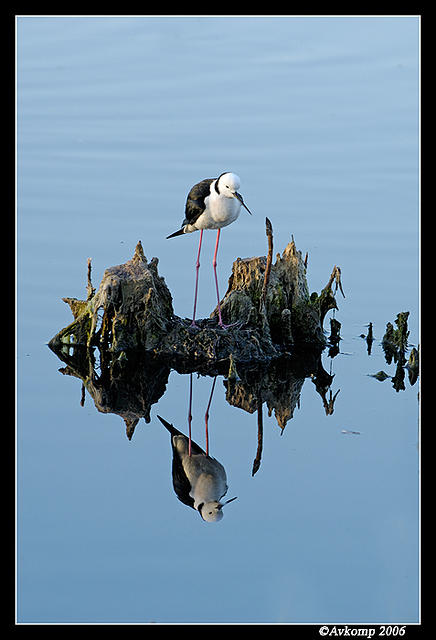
(330,403)
(336,276)
(394,342)
(413,366)
(369,338)
(326,299)
(334,339)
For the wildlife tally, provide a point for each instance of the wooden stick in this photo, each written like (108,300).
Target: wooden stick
(89,289)
(269,235)
(256,463)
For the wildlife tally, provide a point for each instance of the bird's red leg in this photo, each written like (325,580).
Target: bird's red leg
(190,412)
(197,268)
(220,320)
(206,417)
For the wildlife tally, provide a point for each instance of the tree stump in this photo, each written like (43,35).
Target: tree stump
(132,310)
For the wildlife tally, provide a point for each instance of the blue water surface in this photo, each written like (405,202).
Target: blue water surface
(117,117)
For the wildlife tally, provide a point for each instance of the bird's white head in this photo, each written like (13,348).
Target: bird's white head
(212,511)
(228,184)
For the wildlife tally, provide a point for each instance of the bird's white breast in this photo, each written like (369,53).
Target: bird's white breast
(207,477)
(220,211)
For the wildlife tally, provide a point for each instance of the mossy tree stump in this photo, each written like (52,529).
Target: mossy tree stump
(132,310)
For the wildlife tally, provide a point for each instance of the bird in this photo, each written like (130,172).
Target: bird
(199,480)
(212,203)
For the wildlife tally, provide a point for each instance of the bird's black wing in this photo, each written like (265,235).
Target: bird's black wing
(181,483)
(195,200)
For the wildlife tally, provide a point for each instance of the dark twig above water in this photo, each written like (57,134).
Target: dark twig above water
(268,261)
(258,458)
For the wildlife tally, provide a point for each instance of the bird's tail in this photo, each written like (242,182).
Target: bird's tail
(176,233)
(170,427)
(175,432)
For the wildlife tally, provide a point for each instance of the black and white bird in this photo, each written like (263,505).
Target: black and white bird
(199,480)
(213,203)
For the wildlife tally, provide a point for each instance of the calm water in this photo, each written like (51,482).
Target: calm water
(116,119)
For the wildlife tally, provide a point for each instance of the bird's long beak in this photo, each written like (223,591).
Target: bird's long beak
(227,502)
(241,200)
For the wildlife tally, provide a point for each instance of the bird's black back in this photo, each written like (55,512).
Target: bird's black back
(195,200)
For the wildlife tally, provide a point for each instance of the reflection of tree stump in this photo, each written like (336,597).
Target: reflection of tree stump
(132,310)
(129,384)
(279,386)
(127,387)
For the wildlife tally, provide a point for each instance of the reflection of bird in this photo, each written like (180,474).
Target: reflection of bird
(213,203)
(199,480)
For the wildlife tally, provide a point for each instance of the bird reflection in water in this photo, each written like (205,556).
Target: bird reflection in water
(199,480)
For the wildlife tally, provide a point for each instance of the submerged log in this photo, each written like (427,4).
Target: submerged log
(132,310)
